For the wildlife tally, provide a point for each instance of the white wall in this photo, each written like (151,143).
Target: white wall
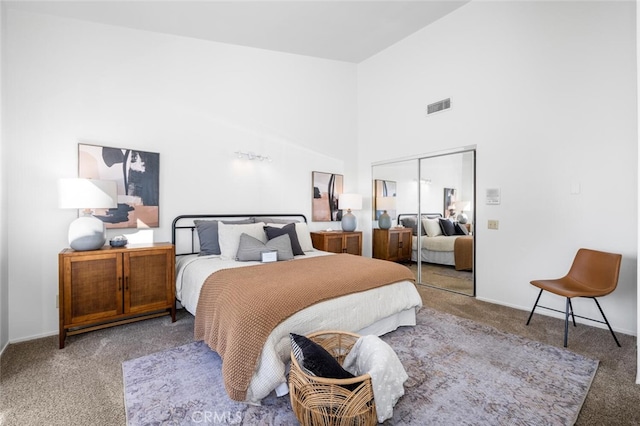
(547,92)
(4,256)
(638,200)
(194,102)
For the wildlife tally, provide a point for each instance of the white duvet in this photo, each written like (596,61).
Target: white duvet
(377,311)
(438,243)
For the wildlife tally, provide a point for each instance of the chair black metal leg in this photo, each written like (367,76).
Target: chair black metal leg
(534,306)
(607,322)
(566,321)
(572,316)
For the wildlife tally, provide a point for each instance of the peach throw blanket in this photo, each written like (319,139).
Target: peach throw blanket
(239,307)
(463,253)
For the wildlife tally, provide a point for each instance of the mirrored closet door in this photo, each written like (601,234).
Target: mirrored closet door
(434,198)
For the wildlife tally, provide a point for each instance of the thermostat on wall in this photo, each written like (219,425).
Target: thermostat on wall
(493,196)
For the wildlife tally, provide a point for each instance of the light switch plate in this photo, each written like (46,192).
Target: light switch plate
(492,224)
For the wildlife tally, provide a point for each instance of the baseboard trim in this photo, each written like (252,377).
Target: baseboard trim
(559,316)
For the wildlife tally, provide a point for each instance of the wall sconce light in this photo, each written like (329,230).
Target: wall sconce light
(253,156)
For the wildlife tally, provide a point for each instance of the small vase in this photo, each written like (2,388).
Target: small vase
(384,221)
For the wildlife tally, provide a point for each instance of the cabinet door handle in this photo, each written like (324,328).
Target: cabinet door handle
(126,283)
(400,244)
(119,283)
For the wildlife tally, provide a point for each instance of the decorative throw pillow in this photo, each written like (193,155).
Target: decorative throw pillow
(290,230)
(229,237)
(447,227)
(410,222)
(208,234)
(302,231)
(304,236)
(316,360)
(251,248)
(461,229)
(431,227)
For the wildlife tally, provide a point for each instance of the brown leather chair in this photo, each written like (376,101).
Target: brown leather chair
(592,274)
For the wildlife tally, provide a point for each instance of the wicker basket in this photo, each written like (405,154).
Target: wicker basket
(319,401)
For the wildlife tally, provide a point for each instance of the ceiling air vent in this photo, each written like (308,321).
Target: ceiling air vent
(439,106)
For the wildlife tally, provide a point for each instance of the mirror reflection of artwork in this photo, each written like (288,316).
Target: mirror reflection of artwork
(450,203)
(137,175)
(384,193)
(326,189)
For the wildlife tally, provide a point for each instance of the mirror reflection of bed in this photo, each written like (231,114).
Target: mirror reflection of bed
(445,248)
(440,188)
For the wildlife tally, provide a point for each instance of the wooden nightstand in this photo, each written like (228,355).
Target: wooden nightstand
(392,244)
(114,286)
(338,241)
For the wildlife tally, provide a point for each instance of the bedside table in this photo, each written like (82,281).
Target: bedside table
(113,286)
(392,244)
(338,241)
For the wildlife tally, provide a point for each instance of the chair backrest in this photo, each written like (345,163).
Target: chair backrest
(597,270)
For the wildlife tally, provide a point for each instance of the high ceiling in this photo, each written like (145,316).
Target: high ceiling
(349,31)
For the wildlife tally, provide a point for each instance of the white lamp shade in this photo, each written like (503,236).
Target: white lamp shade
(87,232)
(350,202)
(463,205)
(87,194)
(386,203)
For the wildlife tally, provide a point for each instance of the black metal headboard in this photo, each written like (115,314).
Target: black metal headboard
(183,229)
(427,215)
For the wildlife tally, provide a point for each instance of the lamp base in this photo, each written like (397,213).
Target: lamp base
(384,221)
(349,222)
(462,218)
(87,233)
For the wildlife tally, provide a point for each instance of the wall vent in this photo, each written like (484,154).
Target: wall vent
(439,106)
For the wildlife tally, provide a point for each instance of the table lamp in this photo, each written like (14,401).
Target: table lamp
(463,206)
(87,232)
(385,204)
(349,202)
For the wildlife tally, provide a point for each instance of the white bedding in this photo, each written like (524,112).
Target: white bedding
(376,311)
(438,243)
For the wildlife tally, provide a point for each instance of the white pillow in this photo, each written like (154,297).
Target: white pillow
(432,227)
(304,236)
(229,237)
(302,230)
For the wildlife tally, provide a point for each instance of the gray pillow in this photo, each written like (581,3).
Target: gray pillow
(208,234)
(251,248)
(461,229)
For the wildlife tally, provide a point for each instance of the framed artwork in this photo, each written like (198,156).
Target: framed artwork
(137,175)
(326,189)
(384,196)
(449,202)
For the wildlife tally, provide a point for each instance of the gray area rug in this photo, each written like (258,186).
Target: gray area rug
(460,372)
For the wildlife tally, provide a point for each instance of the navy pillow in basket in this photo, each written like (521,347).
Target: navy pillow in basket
(316,360)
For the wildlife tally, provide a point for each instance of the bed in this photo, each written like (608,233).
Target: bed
(221,293)
(441,241)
